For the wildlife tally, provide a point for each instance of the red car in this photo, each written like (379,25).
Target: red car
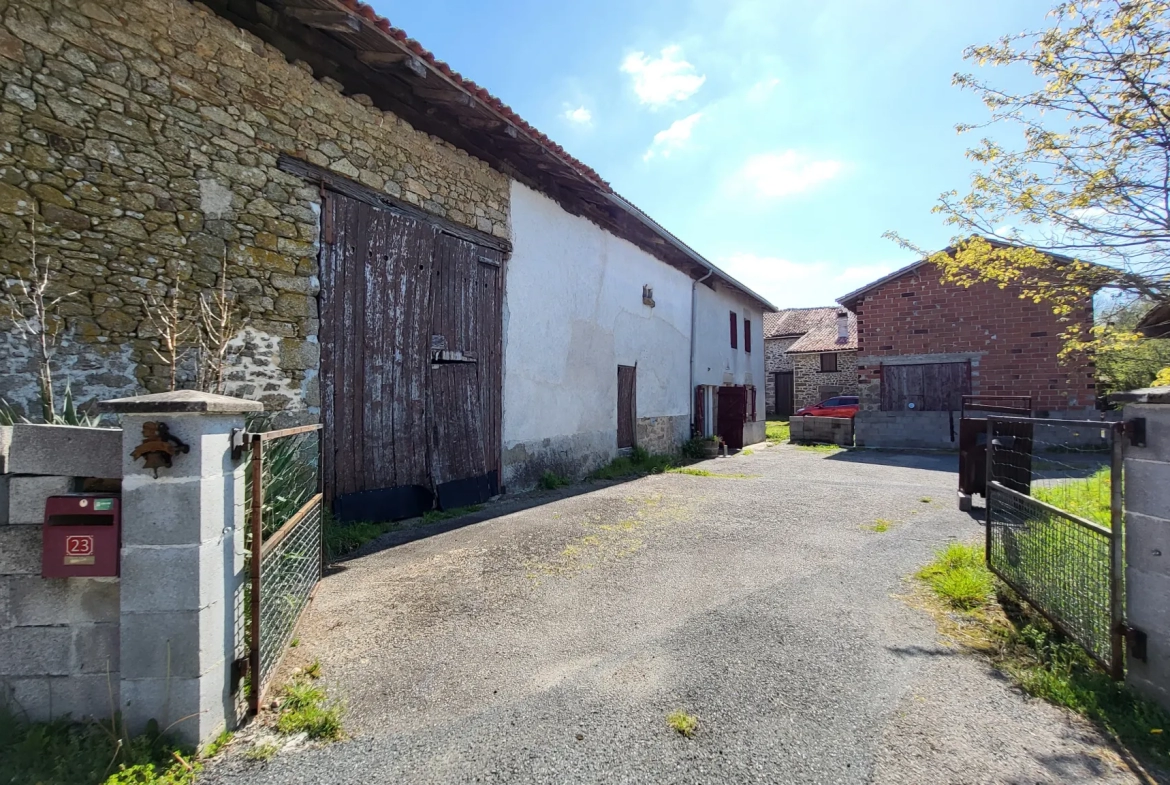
(841,406)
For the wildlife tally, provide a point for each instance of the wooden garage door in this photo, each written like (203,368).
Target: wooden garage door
(410,360)
(933,387)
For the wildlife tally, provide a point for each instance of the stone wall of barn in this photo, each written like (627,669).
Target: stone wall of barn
(138,145)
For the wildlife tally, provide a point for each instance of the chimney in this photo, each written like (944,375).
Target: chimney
(842,326)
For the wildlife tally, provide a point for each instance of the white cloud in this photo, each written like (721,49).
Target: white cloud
(662,80)
(673,138)
(760,91)
(789,284)
(779,174)
(578,116)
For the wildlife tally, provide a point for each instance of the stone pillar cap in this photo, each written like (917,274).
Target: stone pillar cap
(1146,395)
(180,402)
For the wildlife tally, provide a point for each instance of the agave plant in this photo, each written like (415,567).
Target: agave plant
(69,414)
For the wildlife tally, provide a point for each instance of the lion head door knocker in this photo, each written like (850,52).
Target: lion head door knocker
(158,446)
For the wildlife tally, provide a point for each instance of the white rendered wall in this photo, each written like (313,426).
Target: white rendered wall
(573,312)
(716,363)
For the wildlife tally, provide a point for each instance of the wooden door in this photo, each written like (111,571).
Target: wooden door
(785,394)
(401,421)
(933,387)
(627,405)
(732,413)
(464,444)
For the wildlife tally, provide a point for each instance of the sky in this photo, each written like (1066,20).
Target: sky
(778,138)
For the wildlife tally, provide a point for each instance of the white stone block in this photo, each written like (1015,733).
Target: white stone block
(65,450)
(27,495)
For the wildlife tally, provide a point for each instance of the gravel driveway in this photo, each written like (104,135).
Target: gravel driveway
(547,642)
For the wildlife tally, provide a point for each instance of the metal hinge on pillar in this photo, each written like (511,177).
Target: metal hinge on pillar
(1135,641)
(239,673)
(1135,429)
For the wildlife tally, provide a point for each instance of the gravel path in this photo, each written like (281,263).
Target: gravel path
(548,642)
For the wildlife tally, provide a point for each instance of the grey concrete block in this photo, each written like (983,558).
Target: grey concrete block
(1154,686)
(1147,487)
(35,601)
(179,511)
(1147,543)
(36,651)
(165,579)
(1157,417)
(207,436)
(65,450)
(5,447)
(183,644)
(45,698)
(96,648)
(1145,604)
(20,550)
(5,605)
(194,709)
(27,495)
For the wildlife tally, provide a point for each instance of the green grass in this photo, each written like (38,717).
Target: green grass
(344,537)
(959,576)
(777,430)
(218,743)
(748,451)
(637,463)
(1087,498)
(264,751)
(64,752)
(683,723)
(305,708)
(550,481)
(704,473)
(881,525)
(443,515)
(1038,657)
(925,500)
(819,447)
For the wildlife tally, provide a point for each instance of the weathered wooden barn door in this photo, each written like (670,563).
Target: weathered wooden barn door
(627,377)
(465,368)
(403,417)
(930,387)
(732,413)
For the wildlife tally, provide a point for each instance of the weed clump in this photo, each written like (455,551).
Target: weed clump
(683,723)
(959,576)
(305,709)
(550,481)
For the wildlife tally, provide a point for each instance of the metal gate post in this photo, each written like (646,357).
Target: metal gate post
(987,478)
(257,536)
(1117,553)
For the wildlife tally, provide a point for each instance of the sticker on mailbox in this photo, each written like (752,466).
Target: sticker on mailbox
(79,549)
(103,504)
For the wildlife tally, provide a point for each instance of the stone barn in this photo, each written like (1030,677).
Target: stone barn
(462,303)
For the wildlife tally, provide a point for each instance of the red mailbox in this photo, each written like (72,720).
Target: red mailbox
(82,536)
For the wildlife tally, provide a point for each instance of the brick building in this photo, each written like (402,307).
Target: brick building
(923,343)
(809,355)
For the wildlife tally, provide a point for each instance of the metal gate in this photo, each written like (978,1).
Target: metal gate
(1054,525)
(285,544)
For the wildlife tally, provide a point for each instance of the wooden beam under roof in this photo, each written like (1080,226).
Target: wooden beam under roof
(324,19)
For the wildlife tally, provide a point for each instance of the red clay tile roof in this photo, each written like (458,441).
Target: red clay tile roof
(384,25)
(794,322)
(823,336)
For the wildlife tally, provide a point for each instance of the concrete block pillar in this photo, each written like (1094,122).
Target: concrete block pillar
(1147,540)
(182,567)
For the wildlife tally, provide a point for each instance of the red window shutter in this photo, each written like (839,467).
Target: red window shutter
(747,336)
(734,332)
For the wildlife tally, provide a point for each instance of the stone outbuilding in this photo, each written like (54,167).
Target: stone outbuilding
(810,355)
(463,304)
